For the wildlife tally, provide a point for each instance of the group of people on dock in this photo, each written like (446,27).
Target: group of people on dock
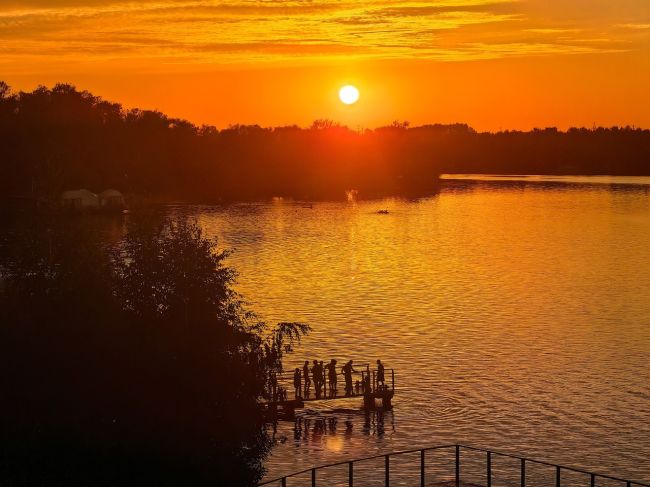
(319,374)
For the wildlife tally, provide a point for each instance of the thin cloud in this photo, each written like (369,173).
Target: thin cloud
(634,26)
(551,30)
(210,31)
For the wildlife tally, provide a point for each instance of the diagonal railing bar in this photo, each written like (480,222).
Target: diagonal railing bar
(356,460)
(549,464)
(490,454)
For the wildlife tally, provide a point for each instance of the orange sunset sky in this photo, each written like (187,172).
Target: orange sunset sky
(493,64)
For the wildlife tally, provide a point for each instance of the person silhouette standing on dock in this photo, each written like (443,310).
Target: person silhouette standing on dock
(331,372)
(297,382)
(380,374)
(317,375)
(305,374)
(347,370)
(323,381)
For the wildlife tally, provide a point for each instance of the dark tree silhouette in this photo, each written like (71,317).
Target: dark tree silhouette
(62,138)
(130,363)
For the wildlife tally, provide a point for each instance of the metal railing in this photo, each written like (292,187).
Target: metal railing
(489,455)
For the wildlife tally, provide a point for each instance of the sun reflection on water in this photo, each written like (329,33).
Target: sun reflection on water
(514,314)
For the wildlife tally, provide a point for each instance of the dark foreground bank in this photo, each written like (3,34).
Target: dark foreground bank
(129,361)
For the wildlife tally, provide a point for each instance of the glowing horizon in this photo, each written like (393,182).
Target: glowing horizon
(489,63)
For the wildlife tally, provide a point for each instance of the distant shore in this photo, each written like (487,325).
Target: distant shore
(58,139)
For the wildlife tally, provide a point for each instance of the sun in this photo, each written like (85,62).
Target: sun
(349,94)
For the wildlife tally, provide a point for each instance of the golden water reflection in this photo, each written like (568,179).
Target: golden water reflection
(516,314)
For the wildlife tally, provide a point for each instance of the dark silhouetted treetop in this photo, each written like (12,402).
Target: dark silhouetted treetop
(131,362)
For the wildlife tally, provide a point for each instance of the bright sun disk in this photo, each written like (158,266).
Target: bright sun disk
(349,94)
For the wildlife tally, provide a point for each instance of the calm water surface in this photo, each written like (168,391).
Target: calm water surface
(516,312)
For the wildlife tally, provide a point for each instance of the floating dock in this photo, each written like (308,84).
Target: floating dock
(371,393)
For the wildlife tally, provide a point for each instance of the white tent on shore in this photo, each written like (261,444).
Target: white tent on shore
(79,199)
(111,198)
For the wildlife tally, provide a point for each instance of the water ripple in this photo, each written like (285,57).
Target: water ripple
(516,317)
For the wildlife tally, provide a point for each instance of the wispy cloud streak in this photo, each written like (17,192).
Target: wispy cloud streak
(250,31)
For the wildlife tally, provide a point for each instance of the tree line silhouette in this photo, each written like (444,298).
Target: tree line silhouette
(62,138)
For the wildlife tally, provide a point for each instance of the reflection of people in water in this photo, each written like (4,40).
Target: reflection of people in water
(380,374)
(297,382)
(348,429)
(347,370)
(375,423)
(331,425)
(318,430)
(380,424)
(331,372)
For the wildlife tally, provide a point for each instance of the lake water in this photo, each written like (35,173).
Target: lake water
(515,311)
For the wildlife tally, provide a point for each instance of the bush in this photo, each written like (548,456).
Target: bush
(131,361)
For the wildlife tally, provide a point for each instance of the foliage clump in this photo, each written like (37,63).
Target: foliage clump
(130,361)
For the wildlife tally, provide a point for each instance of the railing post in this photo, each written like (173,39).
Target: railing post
(558,476)
(489,469)
(523,472)
(284,482)
(421,468)
(387,463)
(351,474)
(593,480)
(313,477)
(457,465)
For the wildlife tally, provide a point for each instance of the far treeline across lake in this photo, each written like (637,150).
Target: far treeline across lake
(61,138)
